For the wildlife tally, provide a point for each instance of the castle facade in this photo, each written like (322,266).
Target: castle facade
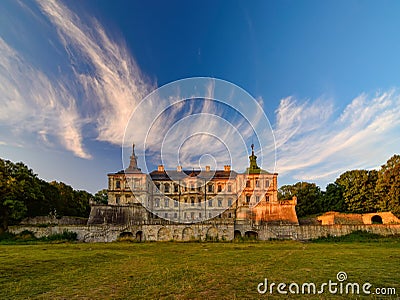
(192,200)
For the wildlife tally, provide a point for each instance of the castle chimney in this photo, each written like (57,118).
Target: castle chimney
(179,168)
(160,168)
(227,168)
(207,168)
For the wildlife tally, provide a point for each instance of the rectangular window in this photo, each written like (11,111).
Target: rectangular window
(210,204)
(175,188)
(229,188)
(192,215)
(166,202)
(200,215)
(175,215)
(192,201)
(117,199)
(136,183)
(229,202)
(166,188)
(165,215)
(248,183)
(257,199)
(257,183)
(267,198)
(210,188)
(247,199)
(209,215)
(219,188)
(157,203)
(176,203)
(192,187)
(219,202)
(267,183)
(118,184)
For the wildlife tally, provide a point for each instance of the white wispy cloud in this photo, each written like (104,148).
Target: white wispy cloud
(315,144)
(100,83)
(32,103)
(115,84)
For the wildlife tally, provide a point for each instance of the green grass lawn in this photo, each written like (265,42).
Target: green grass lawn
(190,270)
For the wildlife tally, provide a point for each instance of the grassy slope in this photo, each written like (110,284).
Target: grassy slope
(187,270)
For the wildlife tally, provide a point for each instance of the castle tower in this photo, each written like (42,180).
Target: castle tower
(133,168)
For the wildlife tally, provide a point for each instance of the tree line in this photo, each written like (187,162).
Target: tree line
(23,194)
(355,191)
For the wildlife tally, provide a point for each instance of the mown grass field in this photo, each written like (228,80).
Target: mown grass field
(190,270)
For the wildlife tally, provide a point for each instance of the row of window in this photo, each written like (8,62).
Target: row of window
(257,183)
(257,198)
(192,202)
(135,183)
(192,215)
(193,187)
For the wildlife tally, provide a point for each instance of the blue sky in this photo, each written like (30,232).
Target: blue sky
(325,72)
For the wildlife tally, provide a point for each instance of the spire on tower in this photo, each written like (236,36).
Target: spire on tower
(253,160)
(133,168)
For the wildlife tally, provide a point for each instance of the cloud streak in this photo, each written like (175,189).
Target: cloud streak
(98,83)
(114,85)
(314,144)
(34,104)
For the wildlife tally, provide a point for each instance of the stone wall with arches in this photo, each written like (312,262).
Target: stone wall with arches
(203,232)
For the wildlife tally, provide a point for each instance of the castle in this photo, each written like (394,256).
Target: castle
(185,204)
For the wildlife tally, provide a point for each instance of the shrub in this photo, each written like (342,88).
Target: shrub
(356,236)
(65,236)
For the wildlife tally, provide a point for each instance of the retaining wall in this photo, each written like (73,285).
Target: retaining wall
(183,232)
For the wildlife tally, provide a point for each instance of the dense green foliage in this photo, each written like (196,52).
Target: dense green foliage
(23,194)
(308,197)
(357,191)
(101,197)
(388,186)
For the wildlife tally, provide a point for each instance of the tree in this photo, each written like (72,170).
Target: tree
(332,199)
(308,195)
(18,188)
(388,185)
(71,202)
(101,197)
(359,190)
